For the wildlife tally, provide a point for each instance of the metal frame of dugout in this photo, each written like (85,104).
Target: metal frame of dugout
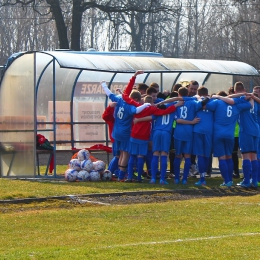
(58,95)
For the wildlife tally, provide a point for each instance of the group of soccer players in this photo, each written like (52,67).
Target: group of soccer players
(142,127)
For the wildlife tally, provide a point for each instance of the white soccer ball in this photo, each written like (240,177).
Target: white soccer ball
(99,166)
(71,175)
(83,154)
(86,165)
(75,164)
(94,176)
(82,175)
(107,175)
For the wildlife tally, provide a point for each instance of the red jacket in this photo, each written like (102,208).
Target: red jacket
(108,117)
(142,130)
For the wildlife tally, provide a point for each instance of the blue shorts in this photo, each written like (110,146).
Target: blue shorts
(138,148)
(223,146)
(202,144)
(182,147)
(248,143)
(161,141)
(122,145)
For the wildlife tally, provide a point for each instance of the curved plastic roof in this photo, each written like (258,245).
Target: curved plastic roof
(123,64)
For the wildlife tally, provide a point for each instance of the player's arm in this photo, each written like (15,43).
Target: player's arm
(196,120)
(131,83)
(141,119)
(142,107)
(169,100)
(227,100)
(254,97)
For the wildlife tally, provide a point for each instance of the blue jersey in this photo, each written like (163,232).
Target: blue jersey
(188,112)
(248,122)
(205,126)
(123,119)
(164,122)
(225,117)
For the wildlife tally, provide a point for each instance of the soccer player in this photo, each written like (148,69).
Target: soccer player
(202,138)
(162,130)
(122,127)
(183,134)
(225,118)
(248,139)
(140,135)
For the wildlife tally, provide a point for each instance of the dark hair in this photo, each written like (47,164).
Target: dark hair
(222,93)
(193,82)
(176,87)
(142,86)
(231,90)
(174,94)
(183,91)
(203,91)
(161,95)
(151,90)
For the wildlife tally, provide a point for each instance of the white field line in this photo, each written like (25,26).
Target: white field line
(183,240)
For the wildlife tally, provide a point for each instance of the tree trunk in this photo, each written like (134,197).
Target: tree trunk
(60,24)
(77,12)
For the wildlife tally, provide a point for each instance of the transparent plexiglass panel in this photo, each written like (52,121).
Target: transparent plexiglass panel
(17,117)
(216,83)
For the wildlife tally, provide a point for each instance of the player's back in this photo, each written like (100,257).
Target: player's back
(123,120)
(187,112)
(164,122)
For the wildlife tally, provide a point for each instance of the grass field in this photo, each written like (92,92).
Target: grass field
(224,227)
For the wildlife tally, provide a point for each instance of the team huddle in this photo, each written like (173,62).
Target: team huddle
(143,128)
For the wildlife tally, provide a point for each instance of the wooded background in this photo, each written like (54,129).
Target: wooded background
(203,29)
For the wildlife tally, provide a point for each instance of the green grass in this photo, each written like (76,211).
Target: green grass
(208,228)
(213,228)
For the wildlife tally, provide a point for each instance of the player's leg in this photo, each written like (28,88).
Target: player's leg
(177,161)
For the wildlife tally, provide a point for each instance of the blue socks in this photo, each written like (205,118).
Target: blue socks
(246,170)
(140,166)
(131,163)
(223,167)
(186,170)
(163,166)
(113,165)
(254,171)
(177,163)
(154,166)
(230,166)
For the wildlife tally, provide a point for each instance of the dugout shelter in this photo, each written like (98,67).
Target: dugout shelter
(58,94)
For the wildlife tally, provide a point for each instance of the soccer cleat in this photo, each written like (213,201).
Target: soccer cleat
(242,184)
(184,182)
(176,181)
(254,185)
(162,182)
(228,184)
(152,181)
(235,176)
(200,183)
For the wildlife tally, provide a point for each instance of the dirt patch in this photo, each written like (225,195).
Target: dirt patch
(124,198)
